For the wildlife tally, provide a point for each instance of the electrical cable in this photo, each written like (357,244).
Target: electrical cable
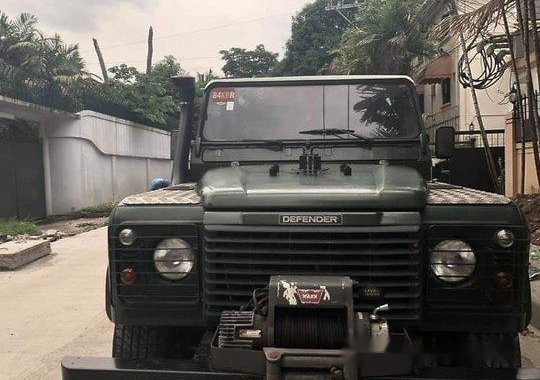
(493,66)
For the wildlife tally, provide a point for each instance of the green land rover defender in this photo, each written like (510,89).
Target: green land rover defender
(303,236)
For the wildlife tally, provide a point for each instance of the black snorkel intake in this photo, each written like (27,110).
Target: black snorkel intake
(186,87)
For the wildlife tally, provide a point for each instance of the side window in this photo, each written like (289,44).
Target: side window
(446,91)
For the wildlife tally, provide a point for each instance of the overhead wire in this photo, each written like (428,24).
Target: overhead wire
(188,32)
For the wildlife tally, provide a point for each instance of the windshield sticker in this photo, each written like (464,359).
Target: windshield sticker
(230,106)
(223,96)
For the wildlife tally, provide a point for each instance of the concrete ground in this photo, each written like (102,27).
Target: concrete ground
(55,307)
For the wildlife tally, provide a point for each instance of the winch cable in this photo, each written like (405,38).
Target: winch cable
(310,328)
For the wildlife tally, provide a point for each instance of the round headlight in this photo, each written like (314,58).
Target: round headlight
(453,261)
(505,238)
(174,259)
(127,236)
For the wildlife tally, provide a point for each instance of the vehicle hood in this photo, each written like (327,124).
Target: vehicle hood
(376,187)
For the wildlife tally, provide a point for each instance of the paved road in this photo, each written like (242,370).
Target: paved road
(43,316)
(53,308)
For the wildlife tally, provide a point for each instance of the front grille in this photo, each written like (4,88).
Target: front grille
(240,258)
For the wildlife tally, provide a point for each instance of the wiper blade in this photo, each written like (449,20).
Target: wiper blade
(335,132)
(277,144)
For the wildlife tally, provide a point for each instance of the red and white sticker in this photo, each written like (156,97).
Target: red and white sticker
(223,95)
(310,296)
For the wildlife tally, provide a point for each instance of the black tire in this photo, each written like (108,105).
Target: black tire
(136,342)
(149,342)
(472,350)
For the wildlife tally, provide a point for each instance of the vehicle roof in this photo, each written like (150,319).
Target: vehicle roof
(320,78)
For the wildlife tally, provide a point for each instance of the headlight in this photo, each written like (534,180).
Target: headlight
(505,238)
(127,237)
(174,259)
(453,261)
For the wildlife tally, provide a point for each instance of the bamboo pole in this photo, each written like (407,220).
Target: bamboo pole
(533,115)
(536,40)
(520,109)
(150,50)
(101,61)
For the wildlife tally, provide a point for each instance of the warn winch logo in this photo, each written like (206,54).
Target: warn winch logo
(293,294)
(310,296)
(311,219)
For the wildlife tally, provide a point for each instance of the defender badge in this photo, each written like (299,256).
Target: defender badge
(311,219)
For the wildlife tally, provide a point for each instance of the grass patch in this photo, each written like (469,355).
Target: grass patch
(102,209)
(15,227)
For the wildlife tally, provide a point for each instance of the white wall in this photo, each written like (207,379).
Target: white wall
(98,158)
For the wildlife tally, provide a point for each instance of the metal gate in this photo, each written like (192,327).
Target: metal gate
(22,190)
(469,166)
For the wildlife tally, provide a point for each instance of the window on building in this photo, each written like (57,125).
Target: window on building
(421,103)
(446,91)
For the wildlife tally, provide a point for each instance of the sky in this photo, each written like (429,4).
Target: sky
(192,30)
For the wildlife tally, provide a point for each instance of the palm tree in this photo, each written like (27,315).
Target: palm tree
(24,50)
(386,39)
(19,40)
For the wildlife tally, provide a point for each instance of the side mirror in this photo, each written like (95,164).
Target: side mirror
(186,87)
(445,142)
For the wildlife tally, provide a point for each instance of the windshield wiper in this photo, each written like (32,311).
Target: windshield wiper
(335,132)
(276,144)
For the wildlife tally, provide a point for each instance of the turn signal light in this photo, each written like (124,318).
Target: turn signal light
(504,281)
(128,276)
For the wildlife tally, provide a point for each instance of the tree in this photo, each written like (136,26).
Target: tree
(152,96)
(242,63)
(315,34)
(27,53)
(386,40)
(202,80)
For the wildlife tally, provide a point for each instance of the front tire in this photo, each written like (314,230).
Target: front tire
(151,342)
(473,350)
(136,342)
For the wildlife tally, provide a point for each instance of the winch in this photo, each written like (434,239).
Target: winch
(306,323)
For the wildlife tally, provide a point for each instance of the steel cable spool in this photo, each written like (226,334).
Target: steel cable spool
(310,329)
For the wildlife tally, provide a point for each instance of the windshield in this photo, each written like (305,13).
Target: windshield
(282,112)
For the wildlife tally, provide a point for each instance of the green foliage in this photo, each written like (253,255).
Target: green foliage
(102,209)
(14,227)
(242,63)
(152,96)
(202,80)
(387,39)
(27,53)
(44,70)
(315,34)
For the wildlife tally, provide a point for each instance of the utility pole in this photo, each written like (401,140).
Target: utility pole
(101,61)
(150,51)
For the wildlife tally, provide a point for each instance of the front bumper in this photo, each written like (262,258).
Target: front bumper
(115,369)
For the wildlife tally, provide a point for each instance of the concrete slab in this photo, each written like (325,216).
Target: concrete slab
(15,254)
